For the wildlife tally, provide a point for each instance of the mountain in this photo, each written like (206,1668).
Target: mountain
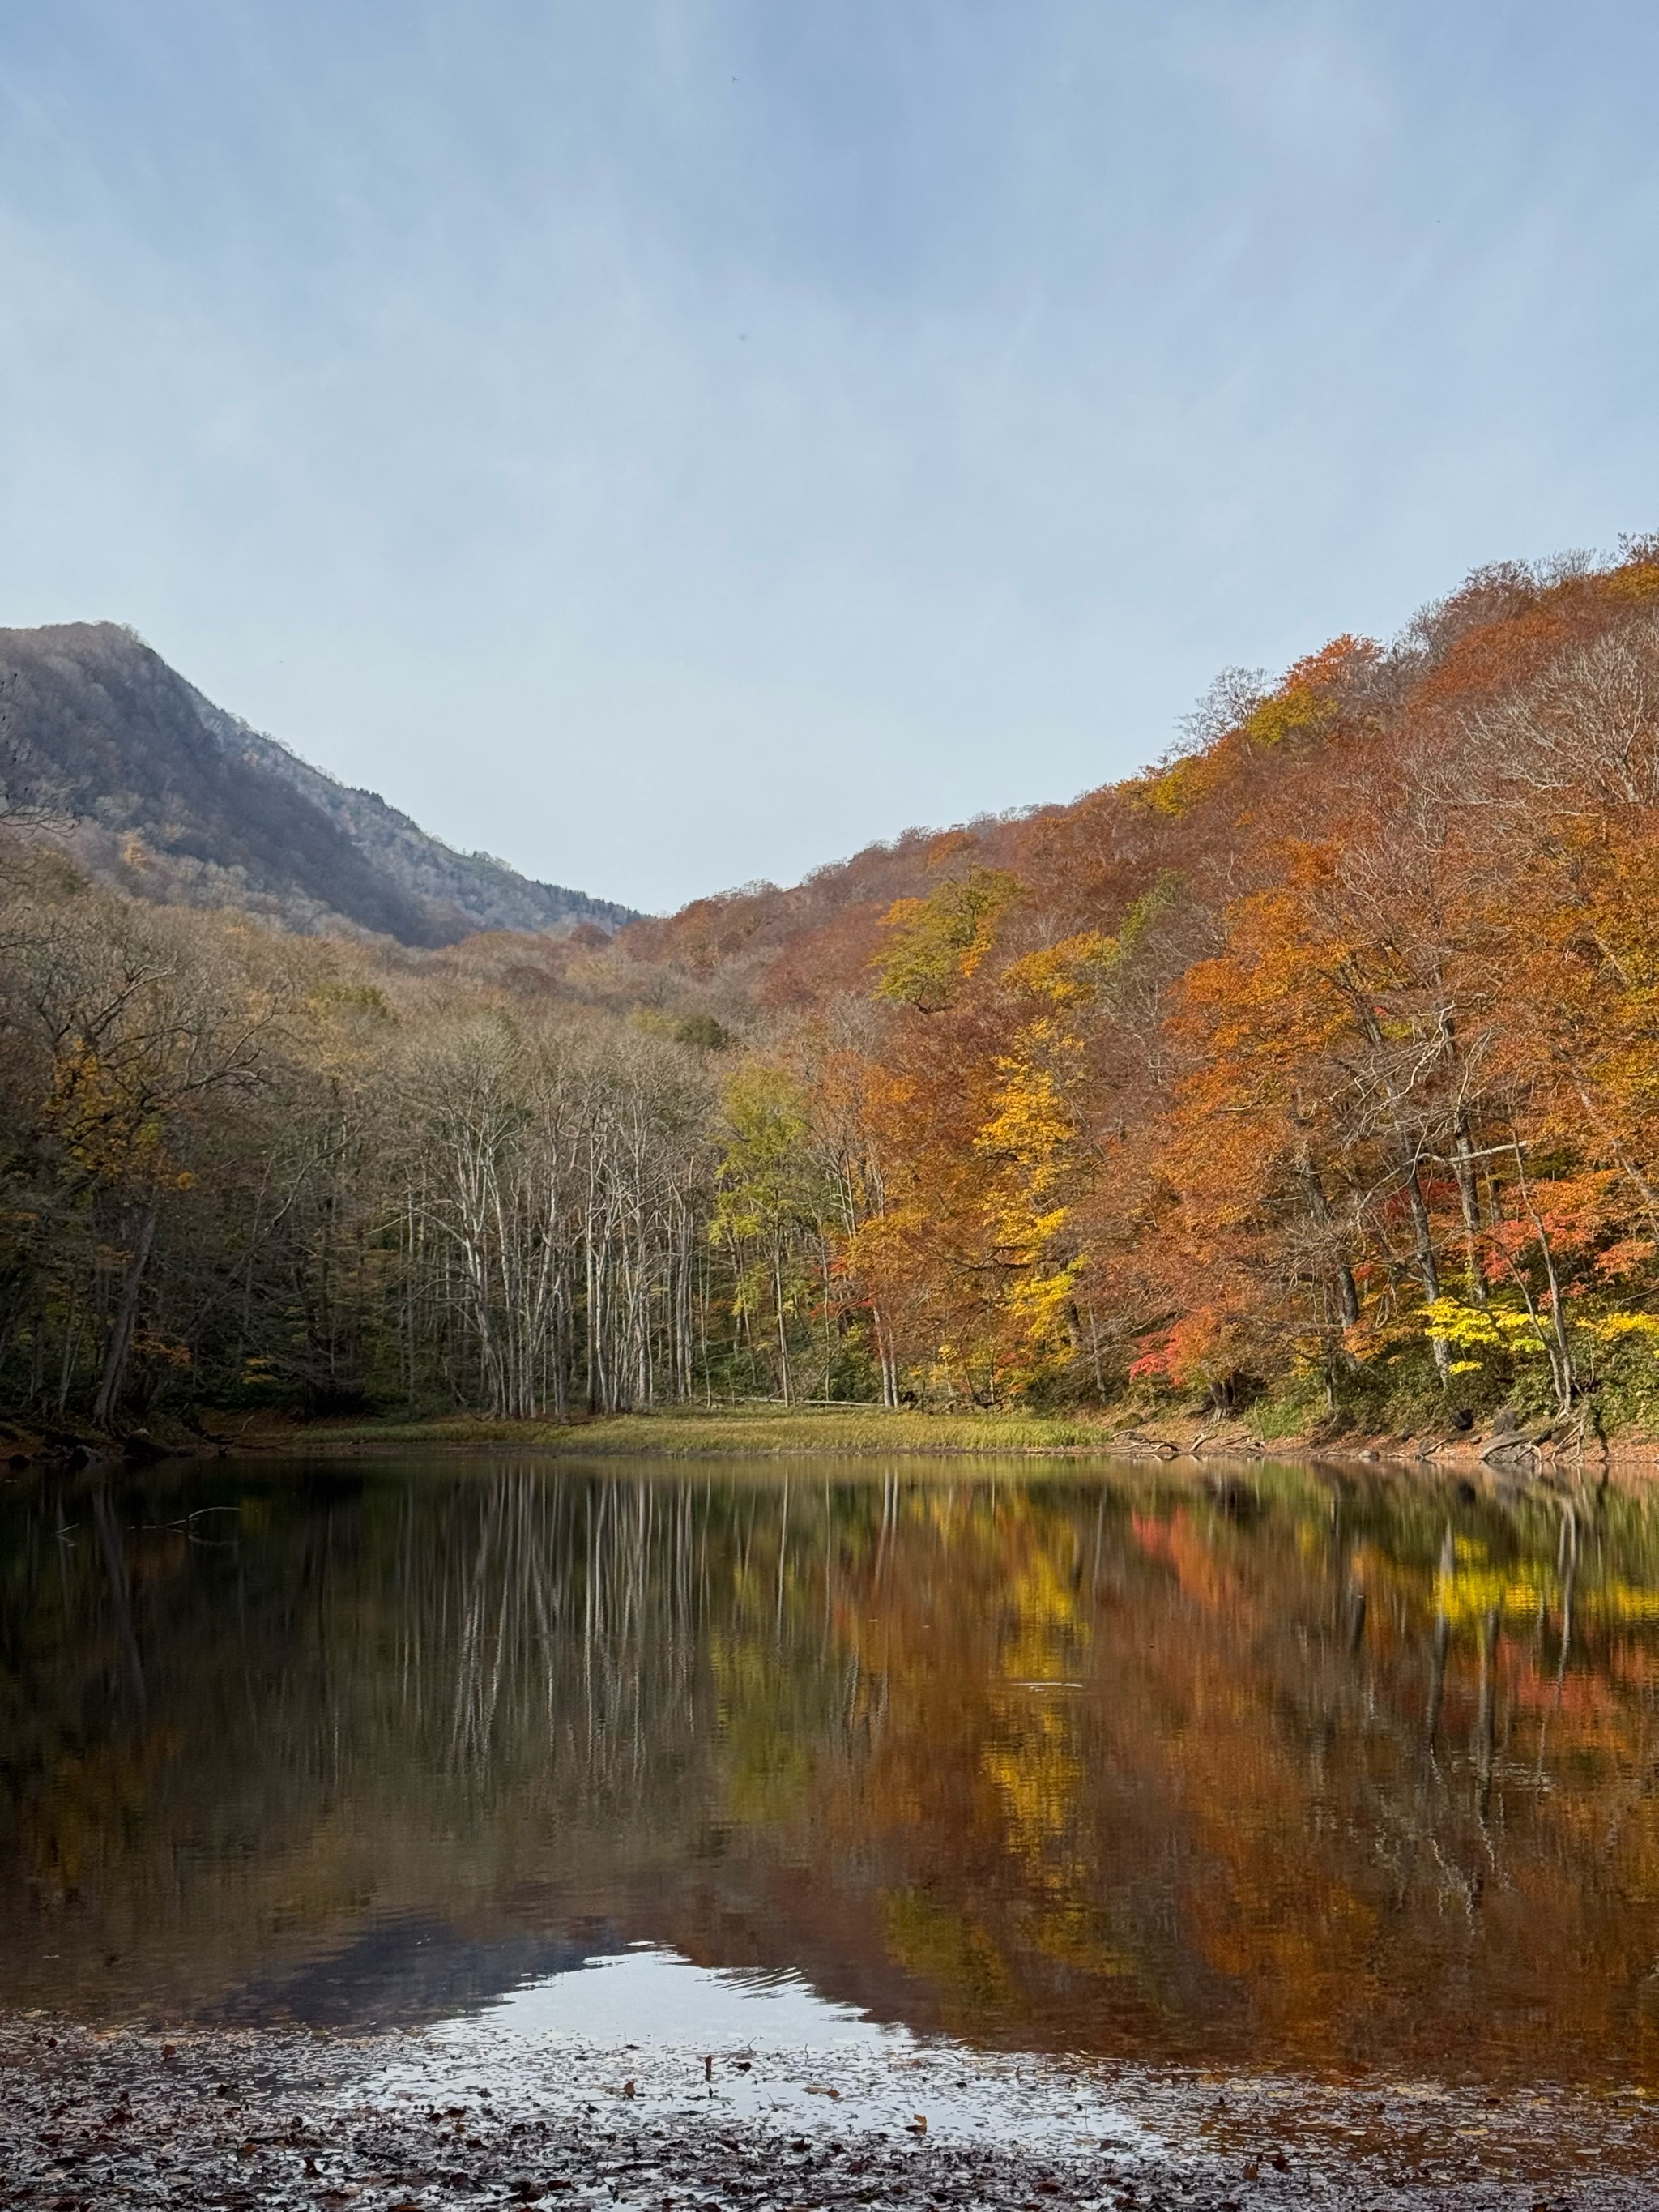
(153,787)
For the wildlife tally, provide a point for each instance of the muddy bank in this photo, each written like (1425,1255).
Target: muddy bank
(1559,1456)
(388,2125)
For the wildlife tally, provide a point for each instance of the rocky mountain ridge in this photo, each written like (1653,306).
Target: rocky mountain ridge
(147,784)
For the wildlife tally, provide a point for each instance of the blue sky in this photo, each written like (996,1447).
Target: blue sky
(672,444)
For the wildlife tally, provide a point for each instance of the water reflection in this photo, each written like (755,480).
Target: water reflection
(1288,1772)
(647,1994)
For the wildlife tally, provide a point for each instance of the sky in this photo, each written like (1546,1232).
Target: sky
(674,443)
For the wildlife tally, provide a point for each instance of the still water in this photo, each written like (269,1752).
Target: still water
(1289,1770)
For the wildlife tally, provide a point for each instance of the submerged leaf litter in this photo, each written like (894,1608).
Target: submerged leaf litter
(419,2122)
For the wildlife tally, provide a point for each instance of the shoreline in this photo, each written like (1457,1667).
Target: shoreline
(1505,1457)
(413,2121)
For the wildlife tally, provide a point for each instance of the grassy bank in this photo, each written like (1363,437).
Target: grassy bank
(724,1432)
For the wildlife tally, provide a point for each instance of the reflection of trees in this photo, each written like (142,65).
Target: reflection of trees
(1237,1839)
(567,1625)
(1342,1779)
(396,1698)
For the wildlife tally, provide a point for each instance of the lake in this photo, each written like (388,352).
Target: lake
(1270,1767)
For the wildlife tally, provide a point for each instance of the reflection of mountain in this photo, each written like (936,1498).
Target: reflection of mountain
(401,1973)
(1330,1791)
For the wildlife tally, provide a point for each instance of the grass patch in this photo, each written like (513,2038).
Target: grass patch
(1292,1410)
(747,1432)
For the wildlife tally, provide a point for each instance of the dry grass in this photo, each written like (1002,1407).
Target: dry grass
(747,1432)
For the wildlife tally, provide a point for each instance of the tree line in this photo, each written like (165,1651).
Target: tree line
(1314,1070)
(248,1169)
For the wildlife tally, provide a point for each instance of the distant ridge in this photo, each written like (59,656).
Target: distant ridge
(155,788)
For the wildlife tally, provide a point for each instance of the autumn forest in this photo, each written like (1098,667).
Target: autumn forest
(1311,1076)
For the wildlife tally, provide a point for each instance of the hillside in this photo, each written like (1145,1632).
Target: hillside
(1311,1076)
(1356,736)
(160,793)
(1323,1056)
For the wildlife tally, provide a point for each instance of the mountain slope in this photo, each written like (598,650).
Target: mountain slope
(153,787)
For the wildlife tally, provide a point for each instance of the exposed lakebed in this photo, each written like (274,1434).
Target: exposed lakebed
(1119,1819)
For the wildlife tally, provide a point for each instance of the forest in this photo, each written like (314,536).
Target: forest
(1311,1076)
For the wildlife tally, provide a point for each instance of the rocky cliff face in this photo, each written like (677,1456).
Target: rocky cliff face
(150,786)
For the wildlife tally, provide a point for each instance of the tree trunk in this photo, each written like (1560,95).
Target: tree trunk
(1428,1272)
(125,1321)
(1463,1167)
(783,1332)
(1347,1293)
